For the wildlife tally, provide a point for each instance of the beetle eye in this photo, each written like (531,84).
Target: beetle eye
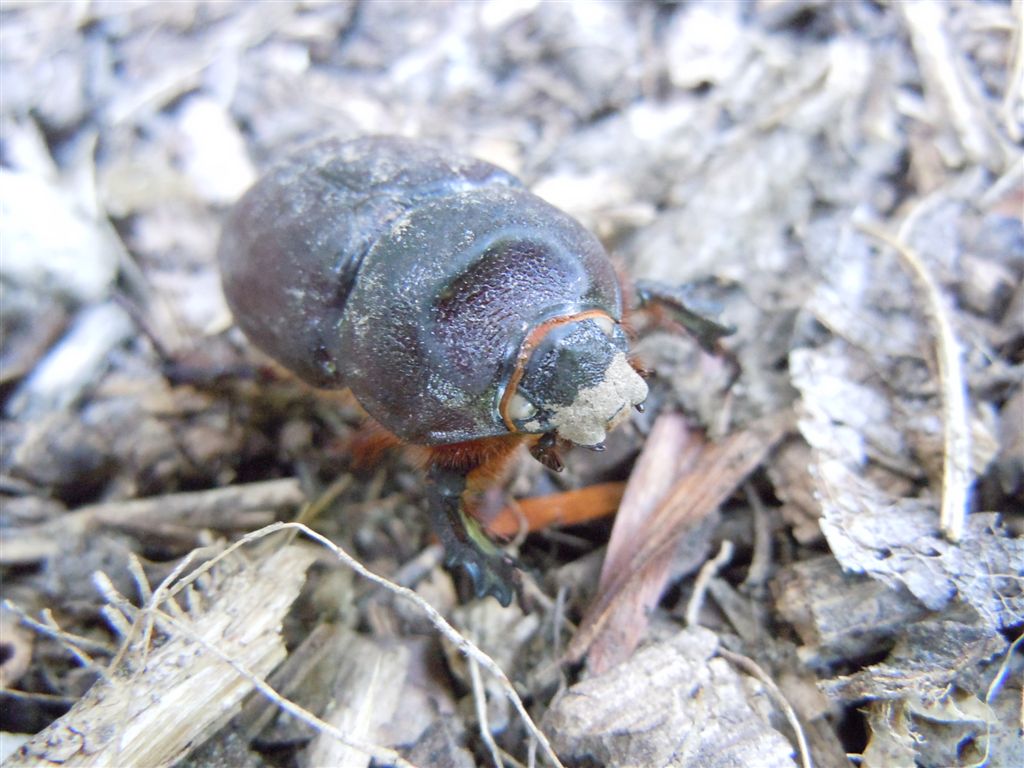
(606,324)
(520,408)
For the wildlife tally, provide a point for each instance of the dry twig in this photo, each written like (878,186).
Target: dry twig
(700,587)
(236,507)
(942,69)
(956,474)
(465,646)
(751,667)
(480,703)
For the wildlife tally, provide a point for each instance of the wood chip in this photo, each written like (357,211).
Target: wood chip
(667,706)
(165,700)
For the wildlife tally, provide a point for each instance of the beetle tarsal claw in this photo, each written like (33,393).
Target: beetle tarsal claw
(494,575)
(599,408)
(466,546)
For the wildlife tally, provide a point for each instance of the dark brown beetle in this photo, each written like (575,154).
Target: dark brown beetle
(463,312)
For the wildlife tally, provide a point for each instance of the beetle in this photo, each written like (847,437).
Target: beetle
(464,313)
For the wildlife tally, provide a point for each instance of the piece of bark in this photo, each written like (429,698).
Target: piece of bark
(74,363)
(163,701)
(438,747)
(931,658)
(671,704)
(841,616)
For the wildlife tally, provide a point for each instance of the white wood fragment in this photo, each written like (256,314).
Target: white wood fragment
(943,72)
(75,362)
(50,245)
(163,701)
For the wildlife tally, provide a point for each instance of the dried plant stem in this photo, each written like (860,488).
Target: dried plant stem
(956,470)
(74,644)
(1013,100)
(480,700)
(752,668)
(466,647)
(700,586)
(162,591)
(380,754)
(761,561)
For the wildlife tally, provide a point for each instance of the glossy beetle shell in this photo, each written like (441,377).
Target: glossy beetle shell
(410,275)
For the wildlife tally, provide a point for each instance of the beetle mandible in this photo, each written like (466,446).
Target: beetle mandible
(463,312)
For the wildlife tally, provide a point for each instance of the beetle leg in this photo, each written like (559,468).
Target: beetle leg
(687,309)
(466,546)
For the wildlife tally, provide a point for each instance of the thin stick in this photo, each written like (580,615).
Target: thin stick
(751,667)
(700,586)
(466,647)
(956,465)
(480,700)
(237,507)
(761,560)
(380,754)
(73,643)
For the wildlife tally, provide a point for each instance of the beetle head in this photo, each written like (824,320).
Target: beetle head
(573,379)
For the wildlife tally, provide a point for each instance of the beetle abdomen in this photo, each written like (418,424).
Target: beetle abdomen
(292,246)
(411,275)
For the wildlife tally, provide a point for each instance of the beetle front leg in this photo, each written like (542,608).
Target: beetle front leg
(491,571)
(685,308)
